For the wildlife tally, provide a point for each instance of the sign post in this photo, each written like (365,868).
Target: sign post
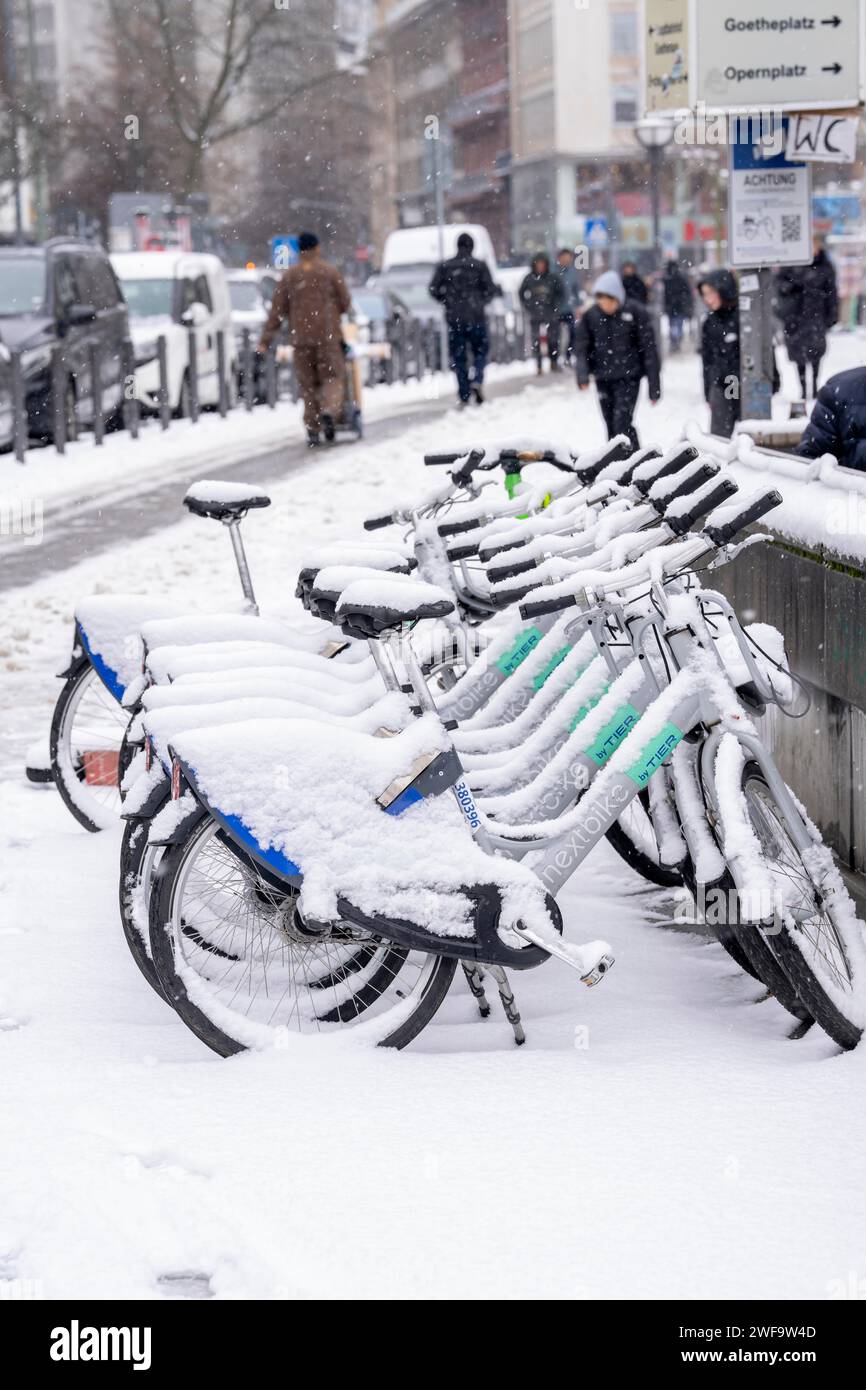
(769,223)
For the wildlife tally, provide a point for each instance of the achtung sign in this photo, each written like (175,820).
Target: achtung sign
(666,50)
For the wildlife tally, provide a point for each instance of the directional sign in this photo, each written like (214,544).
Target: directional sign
(596,233)
(666,50)
(769,208)
(774,53)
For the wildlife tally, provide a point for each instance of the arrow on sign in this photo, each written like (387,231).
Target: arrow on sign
(835,21)
(834,68)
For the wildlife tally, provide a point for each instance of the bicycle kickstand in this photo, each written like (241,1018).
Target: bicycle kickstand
(475,980)
(509,1005)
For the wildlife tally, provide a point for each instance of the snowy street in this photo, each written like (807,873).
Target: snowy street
(660,1136)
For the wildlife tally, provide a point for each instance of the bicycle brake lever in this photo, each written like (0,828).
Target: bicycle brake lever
(735,548)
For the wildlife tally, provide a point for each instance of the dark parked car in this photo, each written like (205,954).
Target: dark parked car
(6,423)
(65,294)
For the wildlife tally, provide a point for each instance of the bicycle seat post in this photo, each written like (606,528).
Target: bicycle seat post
(234,527)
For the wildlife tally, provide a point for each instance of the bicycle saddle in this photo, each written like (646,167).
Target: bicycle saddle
(372,606)
(223,501)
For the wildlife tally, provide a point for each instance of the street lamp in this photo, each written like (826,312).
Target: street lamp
(654,134)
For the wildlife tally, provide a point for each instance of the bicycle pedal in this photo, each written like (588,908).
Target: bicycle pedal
(598,972)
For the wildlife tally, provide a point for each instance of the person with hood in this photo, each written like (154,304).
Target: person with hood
(464,287)
(677,300)
(807,302)
(838,423)
(720,350)
(572,297)
(635,285)
(616,343)
(542,295)
(312,296)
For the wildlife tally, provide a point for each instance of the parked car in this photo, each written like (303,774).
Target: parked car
(7,425)
(63,293)
(376,312)
(168,293)
(251,292)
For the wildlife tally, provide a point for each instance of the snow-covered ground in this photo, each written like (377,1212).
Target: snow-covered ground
(660,1136)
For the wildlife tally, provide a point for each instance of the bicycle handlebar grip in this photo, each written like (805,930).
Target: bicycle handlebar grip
(648,476)
(695,480)
(456,528)
(541,607)
(496,573)
(443,460)
(752,512)
(376,523)
(618,452)
(725,488)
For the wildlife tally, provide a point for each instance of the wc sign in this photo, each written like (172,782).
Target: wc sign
(829,138)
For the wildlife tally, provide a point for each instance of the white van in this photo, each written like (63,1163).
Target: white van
(168,293)
(417,247)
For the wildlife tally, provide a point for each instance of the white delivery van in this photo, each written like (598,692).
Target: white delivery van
(168,293)
(412,254)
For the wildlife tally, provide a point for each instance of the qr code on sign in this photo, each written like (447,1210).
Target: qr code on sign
(791,226)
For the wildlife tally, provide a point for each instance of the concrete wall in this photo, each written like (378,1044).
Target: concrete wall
(822,612)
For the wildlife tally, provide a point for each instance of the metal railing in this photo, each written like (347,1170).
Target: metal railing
(82,391)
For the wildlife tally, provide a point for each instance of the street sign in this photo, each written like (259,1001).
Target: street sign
(284,251)
(596,233)
(666,55)
(830,139)
(770,53)
(769,208)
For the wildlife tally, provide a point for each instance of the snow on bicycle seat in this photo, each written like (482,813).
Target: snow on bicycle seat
(372,557)
(224,500)
(374,605)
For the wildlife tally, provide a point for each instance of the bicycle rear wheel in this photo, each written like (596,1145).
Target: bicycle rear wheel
(241,968)
(817,940)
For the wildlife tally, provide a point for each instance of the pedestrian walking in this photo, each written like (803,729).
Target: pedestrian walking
(464,287)
(678,301)
(807,302)
(720,350)
(572,298)
(616,344)
(838,423)
(311,296)
(635,286)
(542,295)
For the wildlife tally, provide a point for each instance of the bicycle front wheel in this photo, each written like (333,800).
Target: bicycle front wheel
(818,940)
(87,741)
(241,968)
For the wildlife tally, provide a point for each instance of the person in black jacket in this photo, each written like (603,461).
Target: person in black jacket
(464,286)
(635,285)
(720,350)
(807,302)
(543,297)
(616,344)
(678,302)
(838,423)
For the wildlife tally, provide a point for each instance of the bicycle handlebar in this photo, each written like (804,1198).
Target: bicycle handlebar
(722,532)
(376,523)
(541,607)
(653,470)
(685,520)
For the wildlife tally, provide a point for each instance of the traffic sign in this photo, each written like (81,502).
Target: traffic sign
(284,251)
(666,55)
(769,208)
(768,53)
(596,233)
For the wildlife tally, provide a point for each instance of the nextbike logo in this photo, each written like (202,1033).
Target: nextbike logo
(613,734)
(467,806)
(655,754)
(516,655)
(596,818)
(76,1343)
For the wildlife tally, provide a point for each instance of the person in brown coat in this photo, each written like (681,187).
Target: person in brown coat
(310,297)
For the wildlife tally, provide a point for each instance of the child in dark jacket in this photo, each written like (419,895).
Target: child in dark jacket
(615,342)
(720,350)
